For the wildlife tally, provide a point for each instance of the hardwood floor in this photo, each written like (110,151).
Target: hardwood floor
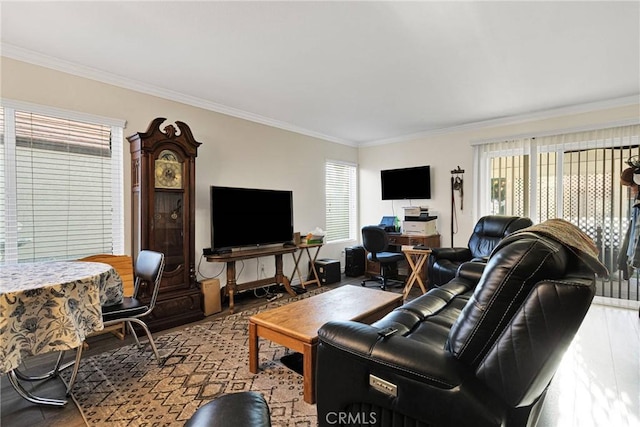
(597,384)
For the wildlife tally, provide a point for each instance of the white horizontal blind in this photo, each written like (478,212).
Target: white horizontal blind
(3,168)
(117,197)
(66,201)
(340,189)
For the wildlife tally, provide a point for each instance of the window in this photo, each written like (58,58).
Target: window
(61,193)
(341,213)
(573,176)
(509,180)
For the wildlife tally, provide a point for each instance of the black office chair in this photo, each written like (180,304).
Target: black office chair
(376,242)
(148,268)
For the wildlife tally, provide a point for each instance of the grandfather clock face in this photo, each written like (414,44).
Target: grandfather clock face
(168,170)
(169,212)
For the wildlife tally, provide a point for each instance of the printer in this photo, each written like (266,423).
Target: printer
(417,213)
(418,221)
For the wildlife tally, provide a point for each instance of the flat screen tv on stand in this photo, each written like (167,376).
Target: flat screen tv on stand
(250,217)
(406,183)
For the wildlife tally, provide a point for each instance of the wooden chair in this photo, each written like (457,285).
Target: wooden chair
(123,264)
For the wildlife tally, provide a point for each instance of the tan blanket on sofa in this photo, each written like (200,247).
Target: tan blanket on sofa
(573,239)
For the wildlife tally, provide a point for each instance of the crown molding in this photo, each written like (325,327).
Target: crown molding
(57,64)
(46,61)
(512,120)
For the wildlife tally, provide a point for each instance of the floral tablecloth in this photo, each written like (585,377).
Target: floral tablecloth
(52,306)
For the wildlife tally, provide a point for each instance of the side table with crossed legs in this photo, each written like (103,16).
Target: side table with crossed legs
(313,273)
(416,259)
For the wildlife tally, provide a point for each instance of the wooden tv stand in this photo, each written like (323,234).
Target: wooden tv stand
(233,286)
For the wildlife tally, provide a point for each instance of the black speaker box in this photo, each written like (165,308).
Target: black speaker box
(354,261)
(328,271)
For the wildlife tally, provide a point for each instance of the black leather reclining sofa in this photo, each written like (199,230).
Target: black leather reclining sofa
(480,350)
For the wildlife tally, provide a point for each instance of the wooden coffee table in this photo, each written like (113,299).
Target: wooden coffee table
(296,325)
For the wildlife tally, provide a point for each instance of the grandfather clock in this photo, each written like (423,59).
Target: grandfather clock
(163,174)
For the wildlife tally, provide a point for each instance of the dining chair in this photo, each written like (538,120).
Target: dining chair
(148,269)
(123,264)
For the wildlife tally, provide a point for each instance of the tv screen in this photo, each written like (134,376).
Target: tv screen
(406,183)
(250,217)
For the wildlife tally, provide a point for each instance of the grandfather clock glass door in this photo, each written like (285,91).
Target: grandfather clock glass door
(168,227)
(168,236)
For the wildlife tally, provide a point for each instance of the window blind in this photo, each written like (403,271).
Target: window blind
(574,176)
(340,188)
(64,194)
(2,187)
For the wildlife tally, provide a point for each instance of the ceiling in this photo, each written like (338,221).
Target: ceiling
(351,72)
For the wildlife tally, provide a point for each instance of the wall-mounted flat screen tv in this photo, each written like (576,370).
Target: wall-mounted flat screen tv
(406,183)
(243,217)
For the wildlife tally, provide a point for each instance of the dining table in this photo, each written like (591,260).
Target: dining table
(50,306)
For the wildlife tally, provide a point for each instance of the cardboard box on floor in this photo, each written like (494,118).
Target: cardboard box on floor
(211,294)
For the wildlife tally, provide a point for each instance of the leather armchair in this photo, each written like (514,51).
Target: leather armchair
(480,350)
(489,230)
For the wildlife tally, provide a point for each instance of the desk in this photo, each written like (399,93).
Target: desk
(297,256)
(396,241)
(416,259)
(233,286)
(50,306)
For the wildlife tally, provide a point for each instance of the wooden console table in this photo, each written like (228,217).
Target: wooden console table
(233,286)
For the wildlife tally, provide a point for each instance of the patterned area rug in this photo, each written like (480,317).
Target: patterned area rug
(126,387)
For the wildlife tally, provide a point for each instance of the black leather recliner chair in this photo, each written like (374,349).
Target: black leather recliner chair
(443,263)
(478,351)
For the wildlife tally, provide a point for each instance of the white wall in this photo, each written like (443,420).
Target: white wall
(234,152)
(444,153)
